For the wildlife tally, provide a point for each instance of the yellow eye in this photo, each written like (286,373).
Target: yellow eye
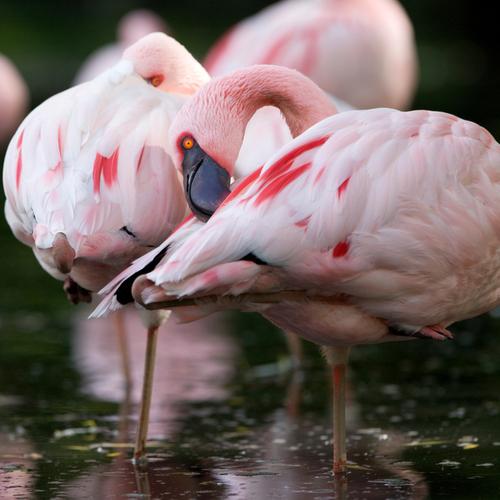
(187,142)
(156,81)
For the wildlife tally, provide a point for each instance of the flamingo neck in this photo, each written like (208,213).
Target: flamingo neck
(301,101)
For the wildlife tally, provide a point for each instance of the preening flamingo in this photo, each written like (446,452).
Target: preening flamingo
(131,28)
(88,180)
(369,226)
(13,98)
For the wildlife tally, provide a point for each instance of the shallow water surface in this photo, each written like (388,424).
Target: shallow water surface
(229,420)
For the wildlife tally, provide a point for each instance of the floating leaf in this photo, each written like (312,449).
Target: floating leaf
(76,447)
(427,442)
(449,463)
(469,446)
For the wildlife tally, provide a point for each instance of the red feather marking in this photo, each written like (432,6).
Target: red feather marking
(285,161)
(340,249)
(242,186)
(139,161)
(220,47)
(279,183)
(319,175)
(59,141)
(110,168)
(107,168)
(96,173)
(342,187)
(19,164)
(303,223)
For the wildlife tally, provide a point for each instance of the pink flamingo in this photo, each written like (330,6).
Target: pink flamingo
(13,98)
(89,183)
(361,51)
(131,28)
(369,226)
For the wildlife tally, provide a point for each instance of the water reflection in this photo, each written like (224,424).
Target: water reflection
(16,465)
(195,361)
(228,423)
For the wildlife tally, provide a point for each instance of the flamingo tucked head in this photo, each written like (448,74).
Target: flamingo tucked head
(207,133)
(166,64)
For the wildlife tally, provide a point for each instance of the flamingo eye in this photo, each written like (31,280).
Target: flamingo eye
(187,143)
(156,80)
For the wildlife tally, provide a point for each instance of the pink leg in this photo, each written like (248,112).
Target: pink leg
(295,347)
(121,337)
(147,389)
(338,357)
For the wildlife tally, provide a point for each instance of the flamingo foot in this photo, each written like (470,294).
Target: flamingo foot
(436,332)
(75,293)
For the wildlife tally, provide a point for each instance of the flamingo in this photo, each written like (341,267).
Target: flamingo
(361,51)
(369,226)
(132,27)
(88,180)
(13,98)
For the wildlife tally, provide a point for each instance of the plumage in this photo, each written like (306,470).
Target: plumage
(395,210)
(418,220)
(91,163)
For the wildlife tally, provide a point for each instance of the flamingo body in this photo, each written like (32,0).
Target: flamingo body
(13,98)
(361,51)
(90,164)
(382,218)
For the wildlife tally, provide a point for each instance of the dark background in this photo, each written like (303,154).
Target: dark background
(457,44)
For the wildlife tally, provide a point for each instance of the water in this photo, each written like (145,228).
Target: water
(229,420)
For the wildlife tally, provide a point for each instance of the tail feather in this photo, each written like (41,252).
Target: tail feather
(111,300)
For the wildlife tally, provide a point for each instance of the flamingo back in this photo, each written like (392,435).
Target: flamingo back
(398,211)
(91,163)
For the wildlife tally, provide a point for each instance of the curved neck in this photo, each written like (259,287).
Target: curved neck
(300,100)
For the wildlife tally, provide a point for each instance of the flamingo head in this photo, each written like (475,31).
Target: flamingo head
(205,139)
(166,64)
(207,133)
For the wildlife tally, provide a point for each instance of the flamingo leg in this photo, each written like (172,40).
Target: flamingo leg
(295,347)
(121,337)
(338,357)
(147,389)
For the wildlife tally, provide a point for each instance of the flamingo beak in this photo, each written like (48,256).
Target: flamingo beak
(206,184)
